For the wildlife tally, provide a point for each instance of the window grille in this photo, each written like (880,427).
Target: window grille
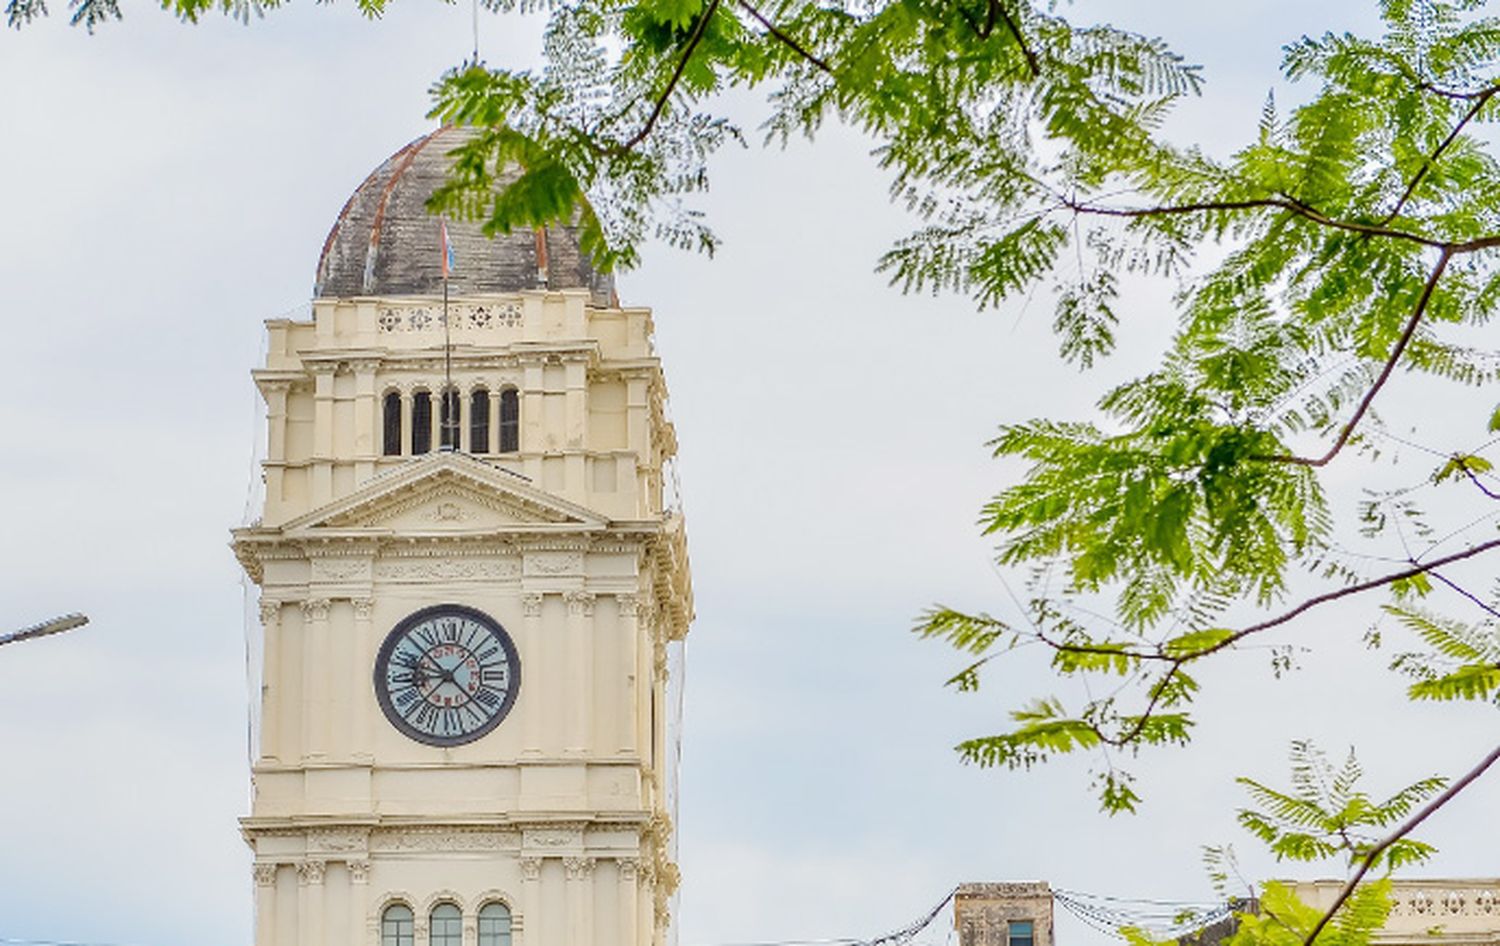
(392,425)
(479,421)
(510,420)
(397,926)
(494,925)
(421,422)
(449,428)
(445,926)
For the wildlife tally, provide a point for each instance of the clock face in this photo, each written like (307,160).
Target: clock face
(447,675)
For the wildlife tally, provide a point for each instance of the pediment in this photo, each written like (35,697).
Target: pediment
(447,493)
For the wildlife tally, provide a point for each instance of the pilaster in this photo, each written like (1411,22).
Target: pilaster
(580,658)
(265,903)
(314,678)
(322,471)
(310,903)
(270,680)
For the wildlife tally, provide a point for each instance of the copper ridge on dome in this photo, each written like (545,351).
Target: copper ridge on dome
(385,243)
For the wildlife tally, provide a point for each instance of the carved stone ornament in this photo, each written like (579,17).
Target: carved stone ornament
(337,840)
(311,872)
(531,868)
(531,604)
(338,569)
(629,866)
(559,836)
(448,569)
(554,563)
(445,839)
(363,608)
(270,611)
(265,874)
(1484,902)
(579,868)
(580,603)
(629,605)
(359,872)
(315,609)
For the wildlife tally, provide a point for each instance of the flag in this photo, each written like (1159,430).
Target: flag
(448,265)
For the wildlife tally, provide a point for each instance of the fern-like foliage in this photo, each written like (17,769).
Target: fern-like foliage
(1325,814)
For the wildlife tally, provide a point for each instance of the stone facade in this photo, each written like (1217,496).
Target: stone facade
(561,813)
(1433,912)
(998,914)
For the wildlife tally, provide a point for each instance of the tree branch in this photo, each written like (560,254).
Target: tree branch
(661,102)
(1473,478)
(1162,656)
(785,39)
(1380,380)
(1479,102)
(1459,589)
(1373,856)
(996,6)
(1283,203)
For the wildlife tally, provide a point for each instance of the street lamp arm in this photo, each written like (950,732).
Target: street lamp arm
(55,626)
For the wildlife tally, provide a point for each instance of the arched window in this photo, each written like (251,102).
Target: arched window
(421,422)
(397,926)
(494,925)
(448,433)
(479,421)
(510,420)
(446,926)
(391,423)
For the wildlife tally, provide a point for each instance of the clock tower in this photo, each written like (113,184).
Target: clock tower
(471,589)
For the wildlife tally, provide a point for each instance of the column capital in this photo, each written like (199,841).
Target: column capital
(270,610)
(311,872)
(531,868)
(580,602)
(265,873)
(363,607)
(579,868)
(359,871)
(316,609)
(531,604)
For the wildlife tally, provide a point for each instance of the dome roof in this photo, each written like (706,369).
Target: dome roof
(385,243)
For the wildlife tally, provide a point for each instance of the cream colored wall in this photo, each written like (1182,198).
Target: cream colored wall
(1439,912)
(590,384)
(559,812)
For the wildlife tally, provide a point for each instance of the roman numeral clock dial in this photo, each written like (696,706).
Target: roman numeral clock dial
(447,675)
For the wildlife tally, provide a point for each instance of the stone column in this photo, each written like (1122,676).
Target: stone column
(533,416)
(322,473)
(270,680)
(359,891)
(531,900)
(314,678)
(276,393)
(580,661)
(494,444)
(627,711)
(630,901)
(265,904)
(368,426)
(580,874)
(310,903)
(534,658)
(406,428)
(361,668)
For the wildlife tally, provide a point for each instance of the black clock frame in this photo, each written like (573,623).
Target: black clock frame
(382,661)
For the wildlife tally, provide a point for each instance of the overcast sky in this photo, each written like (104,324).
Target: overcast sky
(166,188)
